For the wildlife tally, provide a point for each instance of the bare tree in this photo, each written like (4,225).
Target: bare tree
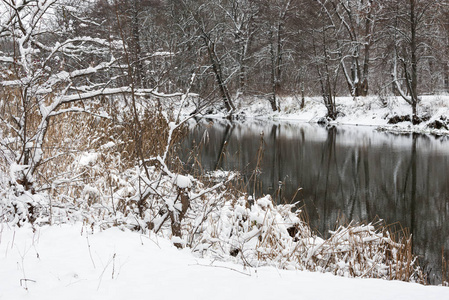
(50,73)
(410,23)
(210,35)
(275,20)
(326,57)
(241,17)
(357,18)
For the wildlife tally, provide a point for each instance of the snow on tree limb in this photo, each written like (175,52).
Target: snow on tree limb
(396,81)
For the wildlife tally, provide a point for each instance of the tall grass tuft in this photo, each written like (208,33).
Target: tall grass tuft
(444,269)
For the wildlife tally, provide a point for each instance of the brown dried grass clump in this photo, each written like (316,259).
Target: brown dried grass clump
(114,139)
(444,270)
(269,234)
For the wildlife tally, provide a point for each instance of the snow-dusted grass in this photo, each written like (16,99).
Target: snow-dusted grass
(72,262)
(222,226)
(267,234)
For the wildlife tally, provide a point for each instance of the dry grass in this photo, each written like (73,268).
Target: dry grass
(268,234)
(444,270)
(65,180)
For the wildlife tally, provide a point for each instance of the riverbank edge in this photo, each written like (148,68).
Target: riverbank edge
(367,111)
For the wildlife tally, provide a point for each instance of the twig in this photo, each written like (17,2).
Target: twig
(25,280)
(113,265)
(222,267)
(88,247)
(104,270)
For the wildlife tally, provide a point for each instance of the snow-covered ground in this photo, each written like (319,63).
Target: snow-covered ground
(367,111)
(70,262)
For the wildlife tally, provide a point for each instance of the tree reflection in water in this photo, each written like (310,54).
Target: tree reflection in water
(346,173)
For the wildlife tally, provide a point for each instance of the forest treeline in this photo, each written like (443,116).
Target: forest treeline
(263,48)
(279,47)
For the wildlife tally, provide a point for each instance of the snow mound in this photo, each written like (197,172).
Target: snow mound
(182,181)
(87,263)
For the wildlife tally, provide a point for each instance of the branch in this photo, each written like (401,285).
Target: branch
(5,59)
(396,81)
(64,76)
(77,110)
(115,91)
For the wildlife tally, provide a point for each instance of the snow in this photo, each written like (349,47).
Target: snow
(6,59)
(14,169)
(88,159)
(71,262)
(182,181)
(366,111)
(108,145)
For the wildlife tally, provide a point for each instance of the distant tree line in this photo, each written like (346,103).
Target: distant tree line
(275,48)
(270,49)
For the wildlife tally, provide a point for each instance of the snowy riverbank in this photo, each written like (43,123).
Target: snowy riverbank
(363,111)
(71,262)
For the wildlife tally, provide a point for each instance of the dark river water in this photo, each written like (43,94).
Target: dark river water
(345,173)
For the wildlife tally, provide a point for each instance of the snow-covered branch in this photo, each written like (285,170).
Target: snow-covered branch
(396,81)
(116,91)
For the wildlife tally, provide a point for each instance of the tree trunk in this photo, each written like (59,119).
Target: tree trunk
(216,67)
(361,88)
(414,61)
(177,216)
(275,71)
(136,45)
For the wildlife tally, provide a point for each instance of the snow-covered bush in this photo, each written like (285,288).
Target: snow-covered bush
(268,234)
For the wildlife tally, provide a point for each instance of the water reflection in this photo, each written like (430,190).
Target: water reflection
(354,173)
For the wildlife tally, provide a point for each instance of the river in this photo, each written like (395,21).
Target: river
(343,173)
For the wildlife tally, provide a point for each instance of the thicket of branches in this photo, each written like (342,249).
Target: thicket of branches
(255,48)
(68,90)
